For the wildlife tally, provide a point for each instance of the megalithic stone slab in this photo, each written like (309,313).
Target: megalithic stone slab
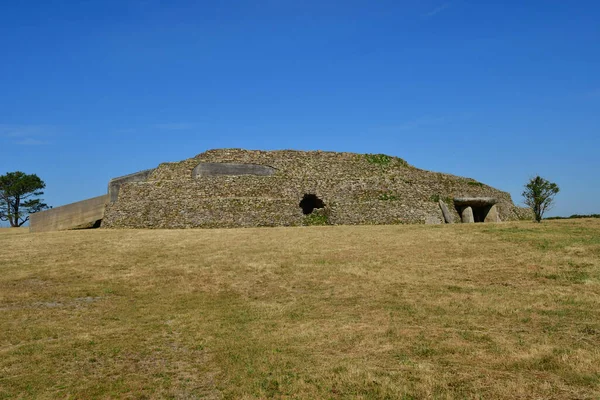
(493,215)
(83,214)
(447,216)
(467,215)
(475,201)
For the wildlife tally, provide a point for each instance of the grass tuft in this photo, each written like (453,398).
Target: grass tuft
(378,159)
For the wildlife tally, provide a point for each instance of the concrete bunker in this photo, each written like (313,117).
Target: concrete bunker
(231,169)
(310,202)
(114,186)
(477,209)
(84,214)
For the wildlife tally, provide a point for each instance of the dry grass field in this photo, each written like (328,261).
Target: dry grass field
(368,312)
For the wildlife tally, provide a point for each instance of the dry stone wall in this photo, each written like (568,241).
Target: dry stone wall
(355,188)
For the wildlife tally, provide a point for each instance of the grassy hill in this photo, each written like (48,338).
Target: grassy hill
(458,311)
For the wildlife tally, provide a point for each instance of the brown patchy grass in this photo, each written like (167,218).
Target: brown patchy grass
(481,311)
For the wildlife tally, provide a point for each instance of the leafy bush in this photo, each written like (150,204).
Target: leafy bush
(539,196)
(402,162)
(436,198)
(384,159)
(318,217)
(379,159)
(475,183)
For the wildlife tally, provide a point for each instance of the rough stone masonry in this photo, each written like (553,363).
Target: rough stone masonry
(244,188)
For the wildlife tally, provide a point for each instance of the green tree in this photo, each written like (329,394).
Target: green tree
(19,194)
(539,195)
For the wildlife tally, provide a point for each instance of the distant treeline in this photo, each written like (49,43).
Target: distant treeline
(575,216)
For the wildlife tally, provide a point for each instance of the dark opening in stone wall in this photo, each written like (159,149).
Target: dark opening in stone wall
(309,202)
(476,209)
(479,213)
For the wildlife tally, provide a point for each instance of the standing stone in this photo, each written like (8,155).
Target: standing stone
(447,216)
(467,215)
(492,215)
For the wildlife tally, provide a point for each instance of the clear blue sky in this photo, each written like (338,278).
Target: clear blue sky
(493,90)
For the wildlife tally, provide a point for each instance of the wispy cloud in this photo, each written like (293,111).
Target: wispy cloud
(25,135)
(30,142)
(437,10)
(593,94)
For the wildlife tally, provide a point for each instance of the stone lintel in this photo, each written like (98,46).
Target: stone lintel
(475,201)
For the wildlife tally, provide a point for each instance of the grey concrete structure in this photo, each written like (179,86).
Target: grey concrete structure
(83,214)
(114,186)
(231,169)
